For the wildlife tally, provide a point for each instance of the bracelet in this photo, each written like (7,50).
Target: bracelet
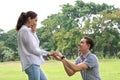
(62,57)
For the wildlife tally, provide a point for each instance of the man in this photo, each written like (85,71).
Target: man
(86,63)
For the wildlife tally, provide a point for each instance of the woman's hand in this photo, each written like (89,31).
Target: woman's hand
(57,55)
(33,28)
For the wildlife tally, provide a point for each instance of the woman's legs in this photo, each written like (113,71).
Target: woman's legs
(35,73)
(42,75)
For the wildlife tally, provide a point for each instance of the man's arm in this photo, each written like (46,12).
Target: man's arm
(69,71)
(73,67)
(69,67)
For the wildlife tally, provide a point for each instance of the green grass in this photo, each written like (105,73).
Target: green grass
(109,70)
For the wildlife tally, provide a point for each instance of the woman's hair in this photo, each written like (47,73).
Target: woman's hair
(90,41)
(24,17)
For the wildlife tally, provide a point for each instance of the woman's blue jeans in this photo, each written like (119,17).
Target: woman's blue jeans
(34,72)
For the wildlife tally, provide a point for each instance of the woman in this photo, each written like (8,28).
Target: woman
(31,55)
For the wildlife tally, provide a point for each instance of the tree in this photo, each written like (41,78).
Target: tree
(1,50)
(90,19)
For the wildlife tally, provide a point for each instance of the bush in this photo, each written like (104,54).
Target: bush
(118,54)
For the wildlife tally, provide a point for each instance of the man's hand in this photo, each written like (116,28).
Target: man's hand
(57,55)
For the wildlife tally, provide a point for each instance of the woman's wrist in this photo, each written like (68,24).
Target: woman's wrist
(49,54)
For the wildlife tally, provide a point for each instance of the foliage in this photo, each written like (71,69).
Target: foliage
(118,54)
(8,55)
(1,50)
(87,19)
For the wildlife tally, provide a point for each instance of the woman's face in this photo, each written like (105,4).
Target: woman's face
(33,24)
(33,21)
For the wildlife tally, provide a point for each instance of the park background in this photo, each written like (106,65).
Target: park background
(62,31)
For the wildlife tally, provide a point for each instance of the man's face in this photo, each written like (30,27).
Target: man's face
(83,46)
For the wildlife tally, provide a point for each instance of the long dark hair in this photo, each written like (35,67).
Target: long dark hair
(24,17)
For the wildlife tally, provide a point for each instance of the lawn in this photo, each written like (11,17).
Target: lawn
(109,70)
